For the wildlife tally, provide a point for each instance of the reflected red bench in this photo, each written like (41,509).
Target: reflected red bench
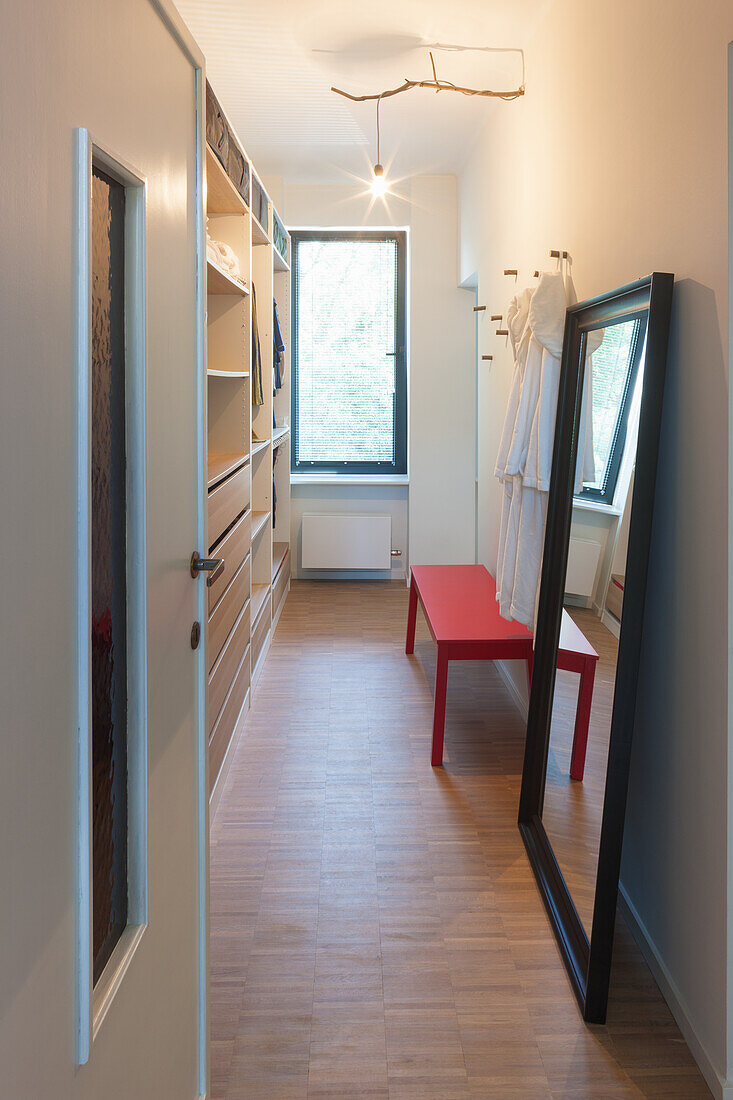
(459,603)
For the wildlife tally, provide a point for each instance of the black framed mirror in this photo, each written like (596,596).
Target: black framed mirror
(576,764)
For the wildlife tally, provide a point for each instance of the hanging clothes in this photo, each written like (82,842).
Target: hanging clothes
(278,358)
(258,397)
(536,322)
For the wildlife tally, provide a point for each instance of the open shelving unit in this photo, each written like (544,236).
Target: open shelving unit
(259,522)
(219,281)
(220,467)
(258,446)
(248,496)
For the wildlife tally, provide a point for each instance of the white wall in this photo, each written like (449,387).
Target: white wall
(436,513)
(617,153)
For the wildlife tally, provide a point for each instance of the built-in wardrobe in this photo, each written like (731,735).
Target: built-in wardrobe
(248,414)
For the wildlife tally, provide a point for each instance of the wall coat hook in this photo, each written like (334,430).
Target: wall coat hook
(479,309)
(502,332)
(511,271)
(496,316)
(487,356)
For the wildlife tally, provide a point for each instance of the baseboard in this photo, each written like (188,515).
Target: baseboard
(521,703)
(720,1088)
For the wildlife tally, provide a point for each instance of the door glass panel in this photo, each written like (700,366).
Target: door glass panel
(109,588)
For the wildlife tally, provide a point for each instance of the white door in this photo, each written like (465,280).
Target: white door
(102,770)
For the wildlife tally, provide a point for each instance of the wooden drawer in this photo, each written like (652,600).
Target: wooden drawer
(222,674)
(260,630)
(280,584)
(227,611)
(227,501)
(233,549)
(222,733)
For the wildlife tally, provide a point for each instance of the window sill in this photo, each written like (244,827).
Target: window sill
(595,506)
(349,479)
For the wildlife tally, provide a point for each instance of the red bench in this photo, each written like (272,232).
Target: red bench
(459,602)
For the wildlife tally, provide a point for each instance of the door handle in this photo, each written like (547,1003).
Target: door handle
(213,566)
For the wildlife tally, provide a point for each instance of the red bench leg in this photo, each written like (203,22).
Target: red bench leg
(411,619)
(582,720)
(441,683)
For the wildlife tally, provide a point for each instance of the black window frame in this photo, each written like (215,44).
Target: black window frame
(607,492)
(398,466)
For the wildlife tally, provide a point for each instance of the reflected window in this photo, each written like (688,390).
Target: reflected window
(616,368)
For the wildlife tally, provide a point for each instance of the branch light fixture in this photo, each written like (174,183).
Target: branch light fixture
(379,184)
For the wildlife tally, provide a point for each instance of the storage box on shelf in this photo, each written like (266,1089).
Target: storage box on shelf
(244,489)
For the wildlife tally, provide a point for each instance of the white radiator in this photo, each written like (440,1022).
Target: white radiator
(346,541)
(583,558)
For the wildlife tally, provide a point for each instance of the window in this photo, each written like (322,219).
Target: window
(616,372)
(349,388)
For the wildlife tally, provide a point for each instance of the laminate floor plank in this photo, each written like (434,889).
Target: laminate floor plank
(376,931)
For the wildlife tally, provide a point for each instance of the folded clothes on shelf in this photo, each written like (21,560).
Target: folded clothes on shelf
(222,255)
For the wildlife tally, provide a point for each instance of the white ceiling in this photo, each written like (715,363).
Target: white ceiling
(272,63)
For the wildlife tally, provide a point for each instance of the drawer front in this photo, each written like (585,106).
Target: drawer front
(281,583)
(227,611)
(227,501)
(221,735)
(233,549)
(260,630)
(222,674)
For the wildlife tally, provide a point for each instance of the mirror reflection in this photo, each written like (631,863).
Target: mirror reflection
(606,425)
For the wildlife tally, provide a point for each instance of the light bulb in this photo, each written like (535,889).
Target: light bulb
(379,185)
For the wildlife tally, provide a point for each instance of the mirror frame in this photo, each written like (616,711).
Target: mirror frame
(588,961)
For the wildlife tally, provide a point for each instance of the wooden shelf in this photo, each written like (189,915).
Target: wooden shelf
(278,262)
(220,466)
(256,447)
(259,522)
(222,196)
(258,234)
(227,373)
(260,593)
(279,434)
(219,281)
(279,554)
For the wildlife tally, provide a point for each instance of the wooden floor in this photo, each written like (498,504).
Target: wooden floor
(376,930)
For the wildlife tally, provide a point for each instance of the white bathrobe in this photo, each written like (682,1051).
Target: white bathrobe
(536,322)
